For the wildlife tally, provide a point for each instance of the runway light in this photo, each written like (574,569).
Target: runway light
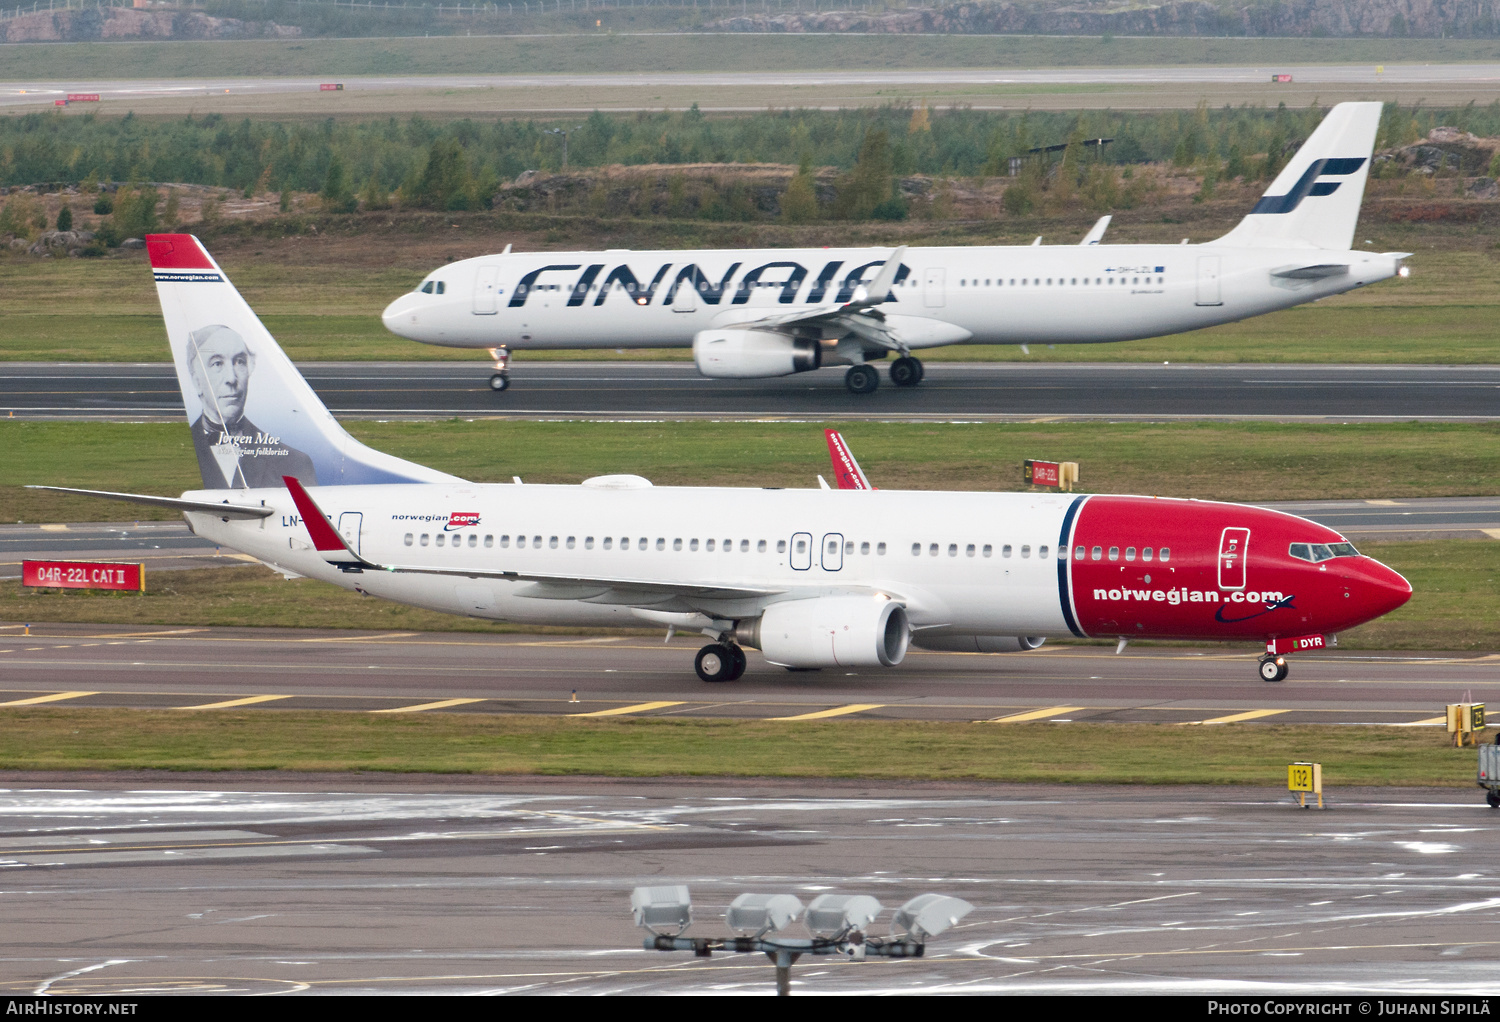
(662,908)
(756,914)
(928,915)
(834,915)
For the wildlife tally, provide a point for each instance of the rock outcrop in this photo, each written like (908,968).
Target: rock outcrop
(83,24)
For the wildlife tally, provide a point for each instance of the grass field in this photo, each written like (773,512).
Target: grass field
(604,53)
(59,739)
(1223,461)
(1456,605)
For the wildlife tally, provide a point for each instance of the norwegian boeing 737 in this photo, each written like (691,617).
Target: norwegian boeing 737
(812,578)
(766,313)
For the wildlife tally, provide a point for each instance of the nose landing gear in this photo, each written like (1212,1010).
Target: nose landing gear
(501,380)
(1273,668)
(720,661)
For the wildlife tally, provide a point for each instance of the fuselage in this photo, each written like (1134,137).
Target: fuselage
(1060,294)
(960,563)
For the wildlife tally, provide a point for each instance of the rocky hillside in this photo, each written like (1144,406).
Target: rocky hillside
(1315,18)
(128,23)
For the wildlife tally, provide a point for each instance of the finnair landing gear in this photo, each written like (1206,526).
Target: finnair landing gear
(720,662)
(862,379)
(501,380)
(906,371)
(1273,668)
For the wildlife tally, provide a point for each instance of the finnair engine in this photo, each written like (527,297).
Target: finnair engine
(831,631)
(753,354)
(979,643)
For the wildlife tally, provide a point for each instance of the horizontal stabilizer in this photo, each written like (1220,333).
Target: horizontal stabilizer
(223,510)
(1318,271)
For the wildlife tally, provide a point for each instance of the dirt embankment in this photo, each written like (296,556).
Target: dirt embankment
(88,24)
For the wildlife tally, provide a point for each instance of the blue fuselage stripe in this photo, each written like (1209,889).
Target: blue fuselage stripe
(1063,543)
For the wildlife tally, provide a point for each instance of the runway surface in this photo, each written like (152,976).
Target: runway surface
(667,390)
(13,93)
(613,675)
(339,884)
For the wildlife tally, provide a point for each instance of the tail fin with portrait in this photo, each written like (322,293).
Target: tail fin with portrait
(254,417)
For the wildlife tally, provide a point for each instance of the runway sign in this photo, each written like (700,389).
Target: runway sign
(331,87)
(84,575)
(83,97)
(1042,473)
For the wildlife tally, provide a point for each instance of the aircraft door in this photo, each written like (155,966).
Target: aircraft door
(1234,547)
(1208,280)
(350,523)
(801,558)
(933,295)
(484,290)
(686,298)
(833,551)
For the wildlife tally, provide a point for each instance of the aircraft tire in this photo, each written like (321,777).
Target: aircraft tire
(906,371)
(862,379)
(921,369)
(1273,669)
(740,662)
(714,663)
(499,382)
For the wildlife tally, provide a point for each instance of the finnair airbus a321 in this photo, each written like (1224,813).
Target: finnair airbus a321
(812,578)
(776,312)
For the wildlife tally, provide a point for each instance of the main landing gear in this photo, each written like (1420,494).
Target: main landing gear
(1273,668)
(865,378)
(501,380)
(720,661)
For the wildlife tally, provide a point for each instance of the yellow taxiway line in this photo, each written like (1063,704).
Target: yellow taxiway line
(1050,711)
(54,697)
(837,711)
(226,704)
(419,707)
(1231,718)
(619,710)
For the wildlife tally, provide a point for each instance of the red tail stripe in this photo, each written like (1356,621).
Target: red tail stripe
(845,470)
(176,252)
(324,536)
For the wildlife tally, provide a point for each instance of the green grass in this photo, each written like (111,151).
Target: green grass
(1456,605)
(84,739)
(1225,461)
(328,58)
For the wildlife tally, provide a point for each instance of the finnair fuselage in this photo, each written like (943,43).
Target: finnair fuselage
(1063,294)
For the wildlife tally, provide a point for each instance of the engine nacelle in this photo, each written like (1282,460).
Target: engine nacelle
(753,354)
(978,643)
(831,631)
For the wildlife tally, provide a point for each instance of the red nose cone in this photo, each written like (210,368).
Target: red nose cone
(1373,590)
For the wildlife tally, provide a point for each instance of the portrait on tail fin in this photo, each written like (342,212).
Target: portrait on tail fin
(234,453)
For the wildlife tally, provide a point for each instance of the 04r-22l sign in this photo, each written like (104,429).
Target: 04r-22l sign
(84,575)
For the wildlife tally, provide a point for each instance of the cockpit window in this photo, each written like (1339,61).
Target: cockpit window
(1316,552)
(441,287)
(426,288)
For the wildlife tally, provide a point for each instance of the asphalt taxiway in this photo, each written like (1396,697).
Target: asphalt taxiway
(340,884)
(270,669)
(674,390)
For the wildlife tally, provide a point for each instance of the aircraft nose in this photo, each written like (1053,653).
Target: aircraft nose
(401,318)
(1376,590)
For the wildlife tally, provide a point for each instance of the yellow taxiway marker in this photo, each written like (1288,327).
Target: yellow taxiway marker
(620,710)
(837,711)
(1247,715)
(1426,722)
(54,697)
(226,704)
(1050,711)
(419,707)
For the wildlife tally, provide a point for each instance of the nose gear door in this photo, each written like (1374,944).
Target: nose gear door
(1234,546)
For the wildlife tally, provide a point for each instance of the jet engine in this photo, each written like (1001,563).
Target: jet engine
(752,354)
(978,643)
(830,631)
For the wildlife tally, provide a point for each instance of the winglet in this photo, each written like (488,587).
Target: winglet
(1096,233)
(845,469)
(879,289)
(326,539)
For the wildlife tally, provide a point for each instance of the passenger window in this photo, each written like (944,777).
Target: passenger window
(1166,555)
(1130,553)
(504,542)
(969,550)
(781,546)
(473,539)
(760,547)
(642,543)
(1114,553)
(609,541)
(552,542)
(1026,550)
(424,539)
(952,549)
(801,545)
(489,541)
(1005,550)
(864,548)
(916,549)
(1096,553)
(848,547)
(408,539)
(932,550)
(728,545)
(988,550)
(520,542)
(1062,553)
(588,542)
(676,544)
(1146,554)
(536,541)
(661,543)
(693,545)
(745,546)
(440,539)
(571,542)
(880,550)
(1041,552)
(709,545)
(1078,554)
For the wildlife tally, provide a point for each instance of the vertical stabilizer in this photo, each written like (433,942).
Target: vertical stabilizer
(254,417)
(1314,202)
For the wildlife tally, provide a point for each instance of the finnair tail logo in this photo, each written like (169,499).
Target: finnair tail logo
(1308,184)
